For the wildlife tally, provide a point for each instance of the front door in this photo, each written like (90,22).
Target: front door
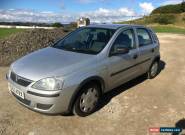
(123,67)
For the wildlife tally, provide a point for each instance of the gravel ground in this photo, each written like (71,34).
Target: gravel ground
(128,110)
(19,44)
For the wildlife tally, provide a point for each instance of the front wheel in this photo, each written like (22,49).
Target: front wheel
(87,100)
(154,69)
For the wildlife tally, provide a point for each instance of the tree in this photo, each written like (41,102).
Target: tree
(88,21)
(183,6)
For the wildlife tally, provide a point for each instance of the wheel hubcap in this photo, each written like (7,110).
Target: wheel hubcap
(88,100)
(154,69)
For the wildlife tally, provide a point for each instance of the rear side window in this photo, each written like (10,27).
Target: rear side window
(154,37)
(143,37)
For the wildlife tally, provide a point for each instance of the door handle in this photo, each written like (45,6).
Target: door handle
(135,56)
(152,50)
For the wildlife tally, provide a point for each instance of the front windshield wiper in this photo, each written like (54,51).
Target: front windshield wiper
(85,51)
(73,49)
(64,48)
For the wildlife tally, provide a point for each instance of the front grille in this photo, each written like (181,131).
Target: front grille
(20,80)
(24,101)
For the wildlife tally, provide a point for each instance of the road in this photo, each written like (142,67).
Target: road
(127,110)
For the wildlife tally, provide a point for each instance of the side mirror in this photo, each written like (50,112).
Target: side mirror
(120,50)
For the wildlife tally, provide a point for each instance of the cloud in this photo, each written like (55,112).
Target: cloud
(22,15)
(147,8)
(109,15)
(171,2)
(100,15)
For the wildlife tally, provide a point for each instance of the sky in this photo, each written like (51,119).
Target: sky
(65,11)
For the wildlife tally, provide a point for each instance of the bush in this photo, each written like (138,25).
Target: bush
(183,19)
(147,20)
(165,19)
(73,24)
(57,25)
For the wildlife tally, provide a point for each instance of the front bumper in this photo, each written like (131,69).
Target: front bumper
(49,102)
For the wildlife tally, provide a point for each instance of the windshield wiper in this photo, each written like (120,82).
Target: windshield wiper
(73,49)
(85,51)
(65,48)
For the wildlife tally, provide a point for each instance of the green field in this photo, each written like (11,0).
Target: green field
(168,29)
(4,32)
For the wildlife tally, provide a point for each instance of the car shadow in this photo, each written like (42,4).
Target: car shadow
(106,98)
(180,124)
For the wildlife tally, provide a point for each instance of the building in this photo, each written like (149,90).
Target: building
(83,22)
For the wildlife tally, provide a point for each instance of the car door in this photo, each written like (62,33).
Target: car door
(146,48)
(123,67)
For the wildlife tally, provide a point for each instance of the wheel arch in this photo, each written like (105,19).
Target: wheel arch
(157,58)
(96,79)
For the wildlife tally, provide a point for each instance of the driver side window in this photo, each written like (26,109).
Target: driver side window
(125,39)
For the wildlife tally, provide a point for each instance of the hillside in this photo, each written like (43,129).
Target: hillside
(163,19)
(169,17)
(170,9)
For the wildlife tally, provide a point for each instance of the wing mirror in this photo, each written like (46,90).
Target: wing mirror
(120,50)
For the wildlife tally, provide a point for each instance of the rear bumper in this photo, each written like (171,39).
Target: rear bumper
(48,102)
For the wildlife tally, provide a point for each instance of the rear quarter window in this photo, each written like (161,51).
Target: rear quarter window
(144,37)
(154,36)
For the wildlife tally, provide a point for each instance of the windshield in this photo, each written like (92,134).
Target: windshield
(86,40)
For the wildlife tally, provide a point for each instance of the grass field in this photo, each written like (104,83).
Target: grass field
(168,29)
(4,32)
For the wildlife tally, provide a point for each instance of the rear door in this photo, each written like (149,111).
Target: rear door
(146,48)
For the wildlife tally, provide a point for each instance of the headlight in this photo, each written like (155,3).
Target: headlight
(48,84)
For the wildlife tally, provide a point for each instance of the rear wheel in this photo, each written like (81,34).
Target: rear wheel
(87,100)
(154,70)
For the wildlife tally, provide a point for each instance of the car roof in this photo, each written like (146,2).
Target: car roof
(113,26)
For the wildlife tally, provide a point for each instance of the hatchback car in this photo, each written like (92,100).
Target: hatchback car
(73,73)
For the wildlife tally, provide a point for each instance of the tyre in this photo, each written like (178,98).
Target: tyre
(87,100)
(154,70)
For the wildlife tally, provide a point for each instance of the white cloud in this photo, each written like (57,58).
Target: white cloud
(171,2)
(21,15)
(146,7)
(99,15)
(109,15)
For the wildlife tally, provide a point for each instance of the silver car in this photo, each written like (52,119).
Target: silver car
(73,73)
